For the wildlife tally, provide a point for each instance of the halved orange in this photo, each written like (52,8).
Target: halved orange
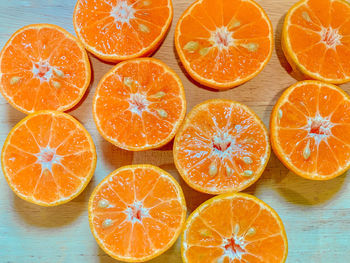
(137,212)
(139,104)
(48,158)
(222,146)
(224,43)
(43,67)
(234,227)
(316,39)
(120,30)
(310,130)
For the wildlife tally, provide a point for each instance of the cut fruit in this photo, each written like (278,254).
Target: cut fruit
(316,39)
(43,67)
(139,104)
(223,44)
(310,127)
(48,158)
(222,146)
(120,30)
(137,212)
(234,228)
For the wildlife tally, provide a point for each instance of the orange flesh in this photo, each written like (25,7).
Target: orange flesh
(313,116)
(139,104)
(317,34)
(217,135)
(48,158)
(117,30)
(231,41)
(248,231)
(43,68)
(146,208)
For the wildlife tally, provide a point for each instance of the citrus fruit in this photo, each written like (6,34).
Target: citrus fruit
(222,146)
(223,43)
(139,104)
(234,227)
(48,158)
(120,30)
(316,39)
(43,67)
(310,127)
(137,212)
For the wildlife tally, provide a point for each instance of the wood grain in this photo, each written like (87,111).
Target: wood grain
(316,214)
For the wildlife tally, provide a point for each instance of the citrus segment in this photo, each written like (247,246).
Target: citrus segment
(137,212)
(120,30)
(222,43)
(139,104)
(43,67)
(315,39)
(234,228)
(310,125)
(221,147)
(48,158)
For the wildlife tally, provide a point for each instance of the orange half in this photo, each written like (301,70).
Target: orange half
(234,228)
(316,39)
(137,212)
(222,146)
(48,158)
(120,30)
(224,43)
(310,130)
(139,104)
(43,67)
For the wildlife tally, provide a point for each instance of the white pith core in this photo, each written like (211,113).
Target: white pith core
(222,38)
(319,128)
(136,212)
(330,37)
(224,145)
(47,157)
(138,103)
(123,12)
(42,70)
(234,248)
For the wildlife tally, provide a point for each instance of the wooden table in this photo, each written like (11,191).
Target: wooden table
(316,214)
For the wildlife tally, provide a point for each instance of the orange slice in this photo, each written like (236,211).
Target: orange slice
(137,212)
(223,43)
(43,67)
(139,104)
(120,30)
(222,146)
(316,39)
(310,130)
(48,158)
(237,228)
